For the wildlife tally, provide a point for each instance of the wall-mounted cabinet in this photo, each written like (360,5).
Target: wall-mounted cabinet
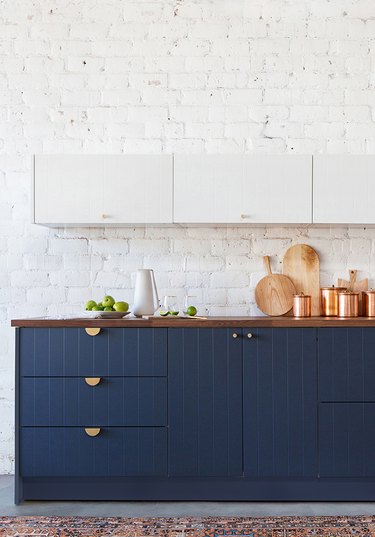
(103,189)
(92,190)
(233,189)
(344,189)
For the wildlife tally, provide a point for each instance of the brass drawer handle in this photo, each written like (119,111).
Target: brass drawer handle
(92,381)
(92,331)
(92,431)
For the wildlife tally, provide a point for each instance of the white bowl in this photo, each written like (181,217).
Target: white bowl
(107,314)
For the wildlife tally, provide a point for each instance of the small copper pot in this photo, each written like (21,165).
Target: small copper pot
(348,304)
(368,303)
(302,305)
(329,305)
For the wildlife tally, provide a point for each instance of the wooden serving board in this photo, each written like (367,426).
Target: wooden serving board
(353,285)
(274,293)
(301,264)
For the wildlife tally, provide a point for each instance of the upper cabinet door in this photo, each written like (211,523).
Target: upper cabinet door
(250,189)
(139,189)
(103,189)
(68,189)
(344,189)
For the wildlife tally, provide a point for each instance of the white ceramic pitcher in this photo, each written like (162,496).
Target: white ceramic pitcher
(146,299)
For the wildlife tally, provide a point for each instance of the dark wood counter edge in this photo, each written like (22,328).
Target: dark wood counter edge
(211,322)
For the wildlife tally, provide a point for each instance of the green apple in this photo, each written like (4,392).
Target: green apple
(108,301)
(108,308)
(121,306)
(90,305)
(96,308)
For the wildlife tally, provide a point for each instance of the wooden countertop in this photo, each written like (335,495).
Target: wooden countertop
(210,322)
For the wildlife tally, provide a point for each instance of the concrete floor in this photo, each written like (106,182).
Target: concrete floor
(173,509)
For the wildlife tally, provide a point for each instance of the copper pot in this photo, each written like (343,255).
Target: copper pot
(329,305)
(368,303)
(348,304)
(302,305)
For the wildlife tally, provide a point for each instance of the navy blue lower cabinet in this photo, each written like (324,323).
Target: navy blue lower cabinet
(70,451)
(114,401)
(347,439)
(280,403)
(205,402)
(115,352)
(190,413)
(346,364)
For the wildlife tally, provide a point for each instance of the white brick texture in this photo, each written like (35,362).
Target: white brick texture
(192,76)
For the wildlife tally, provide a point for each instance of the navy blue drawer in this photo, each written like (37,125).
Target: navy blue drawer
(116,401)
(118,352)
(119,451)
(346,364)
(347,439)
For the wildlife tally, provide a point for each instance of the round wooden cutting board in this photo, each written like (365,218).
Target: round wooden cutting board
(274,293)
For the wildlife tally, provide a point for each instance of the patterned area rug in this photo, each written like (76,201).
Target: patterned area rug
(358,526)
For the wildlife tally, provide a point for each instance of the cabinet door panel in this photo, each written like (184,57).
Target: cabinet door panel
(68,189)
(347,439)
(346,364)
(205,402)
(280,403)
(243,189)
(138,189)
(56,352)
(103,189)
(69,451)
(71,402)
(351,177)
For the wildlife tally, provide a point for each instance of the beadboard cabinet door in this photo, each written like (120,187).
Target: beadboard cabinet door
(103,189)
(230,189)
(205,402)
(280,403)
(346,364)
(344,189)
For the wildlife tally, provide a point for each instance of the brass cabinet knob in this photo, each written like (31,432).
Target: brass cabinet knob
(92,331)
(92,431)
(92,381)
(234,335)
(104,216)
(249,335)
(244,216)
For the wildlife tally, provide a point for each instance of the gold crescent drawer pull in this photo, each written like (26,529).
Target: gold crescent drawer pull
(92,331)
(92,431)
(92,381)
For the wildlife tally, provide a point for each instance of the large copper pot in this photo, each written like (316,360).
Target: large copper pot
(348,304)
(329,305)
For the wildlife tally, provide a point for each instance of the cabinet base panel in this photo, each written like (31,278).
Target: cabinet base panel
(194,489)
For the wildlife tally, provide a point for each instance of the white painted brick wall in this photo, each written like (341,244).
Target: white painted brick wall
(185,76)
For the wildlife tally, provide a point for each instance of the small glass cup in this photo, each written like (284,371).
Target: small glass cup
(190,308)
(169,306)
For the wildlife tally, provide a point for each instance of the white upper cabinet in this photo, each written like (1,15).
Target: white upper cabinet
(103,189)
(252,189)
(344,189)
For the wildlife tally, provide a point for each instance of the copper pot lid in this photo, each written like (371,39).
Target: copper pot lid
(349,293)
(302,295)
(369,292)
